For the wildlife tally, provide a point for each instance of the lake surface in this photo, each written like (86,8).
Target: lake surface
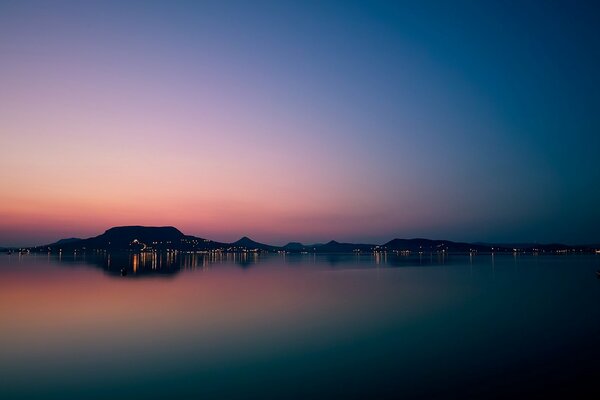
(298,326)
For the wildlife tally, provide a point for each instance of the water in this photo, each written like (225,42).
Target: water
(303,326)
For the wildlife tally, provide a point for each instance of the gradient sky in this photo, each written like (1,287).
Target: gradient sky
(308,120)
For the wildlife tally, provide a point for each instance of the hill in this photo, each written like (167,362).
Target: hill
(428,245)
(245,243)
(294,246)
(336,247)
(138,238)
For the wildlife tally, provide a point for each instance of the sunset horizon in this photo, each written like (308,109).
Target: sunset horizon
(359,122)
(306,199)
(241,235)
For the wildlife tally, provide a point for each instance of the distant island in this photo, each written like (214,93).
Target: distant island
(168,238)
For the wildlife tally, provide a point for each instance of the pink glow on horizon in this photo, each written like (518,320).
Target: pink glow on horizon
(101,131)
(84,158)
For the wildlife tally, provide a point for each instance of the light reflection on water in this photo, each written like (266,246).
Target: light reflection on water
(147,264)
(296,325)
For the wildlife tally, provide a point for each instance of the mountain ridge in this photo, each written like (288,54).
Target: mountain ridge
(248,243)
(138,238)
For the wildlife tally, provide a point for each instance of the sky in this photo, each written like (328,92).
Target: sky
(301,120)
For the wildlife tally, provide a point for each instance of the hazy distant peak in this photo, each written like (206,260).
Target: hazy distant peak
(245,241)
(169,237)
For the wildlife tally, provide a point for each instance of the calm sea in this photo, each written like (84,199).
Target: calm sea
(298,326)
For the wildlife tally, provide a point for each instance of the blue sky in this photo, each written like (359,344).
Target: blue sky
(348,120)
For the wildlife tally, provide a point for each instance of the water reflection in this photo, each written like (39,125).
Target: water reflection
(325,325)
(168,264)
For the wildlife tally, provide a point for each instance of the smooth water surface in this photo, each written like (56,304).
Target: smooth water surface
(298,326)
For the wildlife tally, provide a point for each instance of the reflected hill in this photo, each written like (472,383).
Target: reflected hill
(132,265)
(159,264)
(125,264)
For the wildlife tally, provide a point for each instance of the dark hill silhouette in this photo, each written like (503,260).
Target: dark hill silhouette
(428,245)
(294,246)
(169,238)
(336,247)
(250,244)
(123,236)
(138,238)
(142,233)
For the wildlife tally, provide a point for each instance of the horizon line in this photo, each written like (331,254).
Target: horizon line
(503,243)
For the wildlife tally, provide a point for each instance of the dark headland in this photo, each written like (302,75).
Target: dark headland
(168,238)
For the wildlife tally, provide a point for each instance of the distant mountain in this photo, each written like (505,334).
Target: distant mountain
(138,238)
(121,237)
(336,247)
(540,247)
(125,234)
(428,245)
(294,246)
(249,244)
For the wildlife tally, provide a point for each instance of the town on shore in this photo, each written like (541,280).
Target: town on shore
(154,239)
